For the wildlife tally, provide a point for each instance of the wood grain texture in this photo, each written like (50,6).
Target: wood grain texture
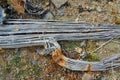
(30,32)
(16,33)
(80,65)
(76,65)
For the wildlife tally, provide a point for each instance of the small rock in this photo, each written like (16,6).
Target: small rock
(47,75)
(99,9)
(91,8)
(62,78)
(58,3)
(80,9)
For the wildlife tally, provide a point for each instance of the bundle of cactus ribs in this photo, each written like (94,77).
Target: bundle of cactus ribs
(17,33)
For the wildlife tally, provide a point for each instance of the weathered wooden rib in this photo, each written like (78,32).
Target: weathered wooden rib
(113,58)
(28,32)
(80,65)
(17,33)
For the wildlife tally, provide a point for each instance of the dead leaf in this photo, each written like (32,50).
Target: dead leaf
(17,5)
(78,49)
(47,3)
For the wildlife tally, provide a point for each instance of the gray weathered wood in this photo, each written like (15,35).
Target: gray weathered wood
(17,33)
(26,32)
(80,65)
(113,58)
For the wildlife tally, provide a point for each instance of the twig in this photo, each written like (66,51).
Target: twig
(116,42)
(102,45)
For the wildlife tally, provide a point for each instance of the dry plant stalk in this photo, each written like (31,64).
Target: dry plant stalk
(17,5)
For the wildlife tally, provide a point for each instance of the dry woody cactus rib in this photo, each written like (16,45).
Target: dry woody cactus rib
(80,65)
(77,65)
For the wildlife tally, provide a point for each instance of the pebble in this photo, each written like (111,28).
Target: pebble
(62,78)
(99,9)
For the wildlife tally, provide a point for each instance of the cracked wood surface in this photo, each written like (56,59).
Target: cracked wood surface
(29,32)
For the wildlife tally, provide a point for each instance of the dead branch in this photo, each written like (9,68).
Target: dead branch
(101,46)
(79,65)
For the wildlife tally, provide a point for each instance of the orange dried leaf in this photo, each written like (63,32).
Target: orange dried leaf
(79,50)
(17,5)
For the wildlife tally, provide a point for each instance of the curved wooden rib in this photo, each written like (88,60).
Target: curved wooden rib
(77,65)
